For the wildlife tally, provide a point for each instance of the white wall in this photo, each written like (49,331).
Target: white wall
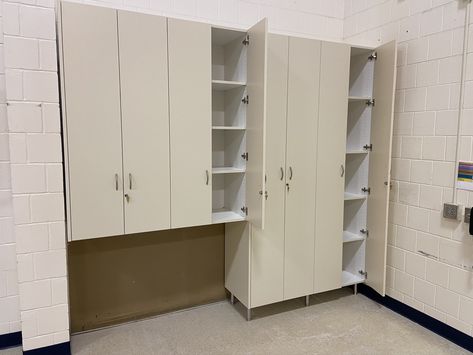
(430,35)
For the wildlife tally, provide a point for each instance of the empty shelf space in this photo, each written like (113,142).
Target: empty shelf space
(224,85)
(225,216)
(358,98)
(349,237)
(361,151)
(227,170)
(350,279)
(228,128)
(350,196)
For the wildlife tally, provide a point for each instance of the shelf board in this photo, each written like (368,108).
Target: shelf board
(224,85)
(349,237)
(227,170)
(350,196)
(358,98)
(228,128)
(350,279)
(226,216)
(351,152)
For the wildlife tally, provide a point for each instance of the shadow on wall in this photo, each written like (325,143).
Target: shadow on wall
(118,279)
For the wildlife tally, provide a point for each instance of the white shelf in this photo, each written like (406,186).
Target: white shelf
(351,152)
(358,98)
(228,128)
(224,85)
(349,237)
(227,170)
(225,216)
(349,197)
(350,279)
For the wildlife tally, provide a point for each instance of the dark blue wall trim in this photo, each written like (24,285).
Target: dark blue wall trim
(442,329)
(10,340)
(57,349)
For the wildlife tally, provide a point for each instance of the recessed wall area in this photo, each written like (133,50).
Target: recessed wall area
(123,278)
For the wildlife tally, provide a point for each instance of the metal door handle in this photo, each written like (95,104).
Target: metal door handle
(342,170)
(116,182)
(290,173)
(130,179)
(282,173)
(207,177)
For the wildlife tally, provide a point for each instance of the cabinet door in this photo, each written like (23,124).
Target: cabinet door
(145,121)
(189,46)
(379,176)
(267,246)
(301,155)
(333,107)
(93,128)
(255,122)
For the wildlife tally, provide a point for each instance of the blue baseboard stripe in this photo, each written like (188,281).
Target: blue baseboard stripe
(10,340)
(434,325)
(56,349)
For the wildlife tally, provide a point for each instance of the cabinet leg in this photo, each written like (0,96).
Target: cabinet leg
(307,301)
(355,289)
(232,298)
(248,314)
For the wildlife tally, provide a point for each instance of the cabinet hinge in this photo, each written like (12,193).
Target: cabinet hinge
(371,102)
(366,189)
(244,209)
(246,41)
(245,156)
(265,194)
(368,147)
(373,56)
(246,100)
(364,273)
(365,232)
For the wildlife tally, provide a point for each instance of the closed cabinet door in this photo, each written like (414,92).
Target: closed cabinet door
(93,128)
(301,162)
(189,46)
(255,122)
(331,141)
(379,175)
(145,121)
(267,246)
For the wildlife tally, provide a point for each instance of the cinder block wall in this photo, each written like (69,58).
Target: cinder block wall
(430,35)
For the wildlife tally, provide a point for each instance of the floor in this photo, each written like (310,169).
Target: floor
(334,323)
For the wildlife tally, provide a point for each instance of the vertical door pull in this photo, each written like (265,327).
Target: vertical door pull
(342,170)
(290,173)
(116,182)
(130,180)
(282,173)
(207,177)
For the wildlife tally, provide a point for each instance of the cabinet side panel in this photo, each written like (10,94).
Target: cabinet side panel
(145,121)
(92,98)
(267,246)
(302,117)
(333,107)
(190,104)
(380,165)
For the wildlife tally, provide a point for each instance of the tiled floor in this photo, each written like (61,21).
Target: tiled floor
(334,323)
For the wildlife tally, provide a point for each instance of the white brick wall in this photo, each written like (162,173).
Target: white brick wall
(430,35)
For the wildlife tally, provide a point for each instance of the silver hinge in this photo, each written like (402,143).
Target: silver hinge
(371,102)
(366,189)
(364,273)
(368,147)
(365,231)
(246,41)
(246,100)
(373,56)
(265,194)
(245,156)
(244,209)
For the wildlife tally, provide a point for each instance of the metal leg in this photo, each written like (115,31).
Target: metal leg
(248,314)
(307,301)
(355,289)
(232,298)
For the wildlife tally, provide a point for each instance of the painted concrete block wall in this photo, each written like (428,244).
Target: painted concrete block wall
(430,35)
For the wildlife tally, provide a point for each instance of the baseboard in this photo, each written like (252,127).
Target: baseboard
(56,349)
(434,325)
(10,340)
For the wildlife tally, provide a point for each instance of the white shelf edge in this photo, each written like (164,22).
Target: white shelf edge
(352,197)
(228,170)
(228,128)
(351,279)
(352,152)
(222,85)
(358,98)
(225,216)
(349,237)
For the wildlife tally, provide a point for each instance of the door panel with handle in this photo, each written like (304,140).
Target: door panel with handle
(145,120)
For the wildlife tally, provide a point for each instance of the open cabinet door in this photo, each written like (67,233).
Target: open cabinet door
(380,165)
(255,122)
